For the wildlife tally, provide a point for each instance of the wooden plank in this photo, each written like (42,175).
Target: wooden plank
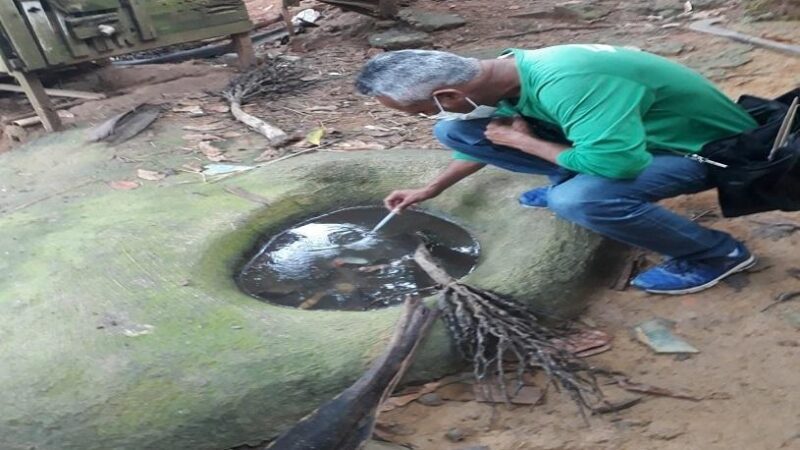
(387,9)
(78,48)
(53,47)
(147,30)
(21,38)
(287,19)
(243,45)
(192,35)
(62,112)
(164,40)
(35,120)
(39,100)
(57,92)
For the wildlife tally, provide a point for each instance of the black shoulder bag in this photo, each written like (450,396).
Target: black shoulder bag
(759,170)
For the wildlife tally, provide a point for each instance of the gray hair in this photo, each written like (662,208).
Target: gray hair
(413,75)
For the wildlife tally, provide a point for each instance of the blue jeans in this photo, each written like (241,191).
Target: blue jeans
(623,210)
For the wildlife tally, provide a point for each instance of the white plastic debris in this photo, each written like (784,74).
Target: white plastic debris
(306,16)
(223,169)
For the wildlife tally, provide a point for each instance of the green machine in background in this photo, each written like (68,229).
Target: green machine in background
(37,35)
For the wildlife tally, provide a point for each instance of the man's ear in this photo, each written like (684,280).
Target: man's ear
(448,95)
(452,98)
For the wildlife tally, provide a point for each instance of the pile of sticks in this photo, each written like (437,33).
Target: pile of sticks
(271,79)
(492,331)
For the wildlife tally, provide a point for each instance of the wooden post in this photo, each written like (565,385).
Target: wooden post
(287,19)
(387,9)
(243,44)
(33,88)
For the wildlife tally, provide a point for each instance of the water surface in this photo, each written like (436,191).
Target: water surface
(336,262)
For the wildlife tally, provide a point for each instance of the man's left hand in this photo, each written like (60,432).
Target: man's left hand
(509,133)
(517,134)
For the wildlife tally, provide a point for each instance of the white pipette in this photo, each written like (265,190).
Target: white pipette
(386,220)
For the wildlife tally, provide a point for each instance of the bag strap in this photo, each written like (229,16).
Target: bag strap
(785,129)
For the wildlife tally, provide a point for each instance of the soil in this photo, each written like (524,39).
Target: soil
(746,371)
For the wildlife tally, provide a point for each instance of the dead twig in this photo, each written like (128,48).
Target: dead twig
(272,78)
(700,215)
(782,298)
(624,383)
(707,26)
(546,30)
(274,135)
(616,407)
(488,329)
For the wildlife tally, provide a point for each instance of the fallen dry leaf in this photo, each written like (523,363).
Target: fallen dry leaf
(219,158)
(123,185)
(359,145)
(315,136)
(459,392)
(267,155)
(585,341)
(593,351)
(150,175)
(312,301)
(193,167)
(218,108)
(211,152)
(404,399)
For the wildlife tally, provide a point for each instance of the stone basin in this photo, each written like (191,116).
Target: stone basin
(121,325)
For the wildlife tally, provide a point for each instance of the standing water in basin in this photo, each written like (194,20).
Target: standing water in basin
(336,261)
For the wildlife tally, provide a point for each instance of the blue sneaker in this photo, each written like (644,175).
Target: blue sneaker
(681,276)
(535,198)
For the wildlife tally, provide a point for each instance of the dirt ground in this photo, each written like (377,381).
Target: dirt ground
(746,371)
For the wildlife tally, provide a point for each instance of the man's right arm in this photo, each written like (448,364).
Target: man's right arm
(455,172)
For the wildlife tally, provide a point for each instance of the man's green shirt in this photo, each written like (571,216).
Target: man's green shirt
(616,105)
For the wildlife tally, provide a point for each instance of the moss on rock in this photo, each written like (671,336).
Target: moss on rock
(121,325)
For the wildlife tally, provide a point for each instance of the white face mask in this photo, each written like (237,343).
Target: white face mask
(480,112)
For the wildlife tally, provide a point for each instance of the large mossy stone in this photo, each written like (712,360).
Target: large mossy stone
(121,326)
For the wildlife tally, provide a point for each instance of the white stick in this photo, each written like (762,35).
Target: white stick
(275,135)
(385,220)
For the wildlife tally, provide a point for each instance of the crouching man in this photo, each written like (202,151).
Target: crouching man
(612,128)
